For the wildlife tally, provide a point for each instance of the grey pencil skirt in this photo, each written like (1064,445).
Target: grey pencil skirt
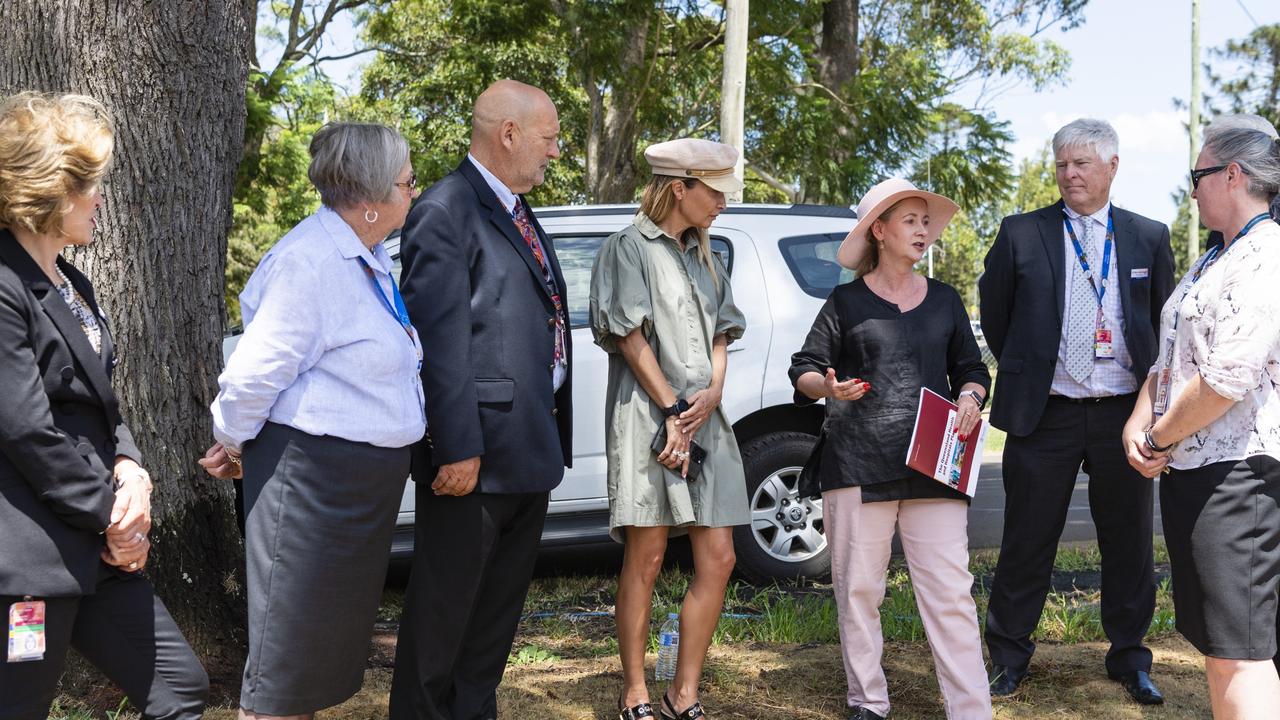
(319,514)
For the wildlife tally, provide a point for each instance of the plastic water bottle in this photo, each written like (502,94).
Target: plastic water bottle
(668,648)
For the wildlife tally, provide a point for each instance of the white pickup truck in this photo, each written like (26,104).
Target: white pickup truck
(781,259)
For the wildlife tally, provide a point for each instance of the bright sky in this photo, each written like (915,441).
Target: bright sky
(1130,59)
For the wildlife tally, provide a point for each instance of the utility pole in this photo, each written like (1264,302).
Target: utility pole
(1193,215)
(733,88)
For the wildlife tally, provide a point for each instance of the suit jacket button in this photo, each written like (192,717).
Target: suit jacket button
(67,373)
(85,449)
(555,411)
(551,322)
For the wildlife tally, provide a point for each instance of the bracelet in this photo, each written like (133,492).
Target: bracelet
(1151,444)
(234,457)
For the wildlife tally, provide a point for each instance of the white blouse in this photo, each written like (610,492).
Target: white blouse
(321,351)
(1228,332)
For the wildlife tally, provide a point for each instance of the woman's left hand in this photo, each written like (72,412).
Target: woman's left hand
(968,415)
(131,513)
(701,405)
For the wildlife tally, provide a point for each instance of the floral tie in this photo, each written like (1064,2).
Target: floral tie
(521,218)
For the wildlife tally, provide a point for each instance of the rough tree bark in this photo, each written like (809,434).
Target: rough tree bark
(173,76)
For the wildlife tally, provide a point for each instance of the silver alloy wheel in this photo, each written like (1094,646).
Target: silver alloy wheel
(788,528)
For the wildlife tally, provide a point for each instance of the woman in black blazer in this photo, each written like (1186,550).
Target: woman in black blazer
(74,500)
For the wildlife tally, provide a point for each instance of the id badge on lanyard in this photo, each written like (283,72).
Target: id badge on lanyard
(1163,380)
(26,631)
(1102,347)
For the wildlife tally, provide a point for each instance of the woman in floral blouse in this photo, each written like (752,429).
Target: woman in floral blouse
(1209,416)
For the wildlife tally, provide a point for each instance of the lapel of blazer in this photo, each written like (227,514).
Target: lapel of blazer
(503,221)
(1127,249)
(62,318)
(1050,222)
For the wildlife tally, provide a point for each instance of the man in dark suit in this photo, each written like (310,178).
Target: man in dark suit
(484,289)
(1071,300)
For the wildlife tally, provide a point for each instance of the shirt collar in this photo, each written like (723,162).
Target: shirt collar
(505,196)
(1099,217)
(348,243)
(650,230)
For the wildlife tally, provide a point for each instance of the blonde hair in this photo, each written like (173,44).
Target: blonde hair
(658,200)
(871,258)
(51,148)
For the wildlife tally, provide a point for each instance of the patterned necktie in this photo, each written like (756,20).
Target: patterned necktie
(1084,311)
(521,218)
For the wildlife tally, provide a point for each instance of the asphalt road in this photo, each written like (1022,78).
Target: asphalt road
(986,513)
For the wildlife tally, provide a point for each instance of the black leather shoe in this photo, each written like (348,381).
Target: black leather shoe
(1139,686)
(1005,679)
(861,713)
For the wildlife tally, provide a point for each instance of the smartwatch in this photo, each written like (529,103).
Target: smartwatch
(675,410)
(977,397)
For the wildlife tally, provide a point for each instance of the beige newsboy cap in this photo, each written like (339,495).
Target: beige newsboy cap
(711,162)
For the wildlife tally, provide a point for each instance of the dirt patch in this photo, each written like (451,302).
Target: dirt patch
(806,682)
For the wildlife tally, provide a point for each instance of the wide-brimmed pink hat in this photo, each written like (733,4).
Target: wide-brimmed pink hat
(882,197)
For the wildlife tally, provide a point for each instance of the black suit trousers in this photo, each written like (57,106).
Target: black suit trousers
(126,632)
(1040,472)
(472,562)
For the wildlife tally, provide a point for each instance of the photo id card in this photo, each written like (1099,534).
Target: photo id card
(26,631)
(1102,347)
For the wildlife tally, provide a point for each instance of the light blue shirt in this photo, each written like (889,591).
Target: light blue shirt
(509,200)
(1111,376)
(321,352)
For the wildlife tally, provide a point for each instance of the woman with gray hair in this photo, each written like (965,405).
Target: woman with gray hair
(1209,416)
(316,410)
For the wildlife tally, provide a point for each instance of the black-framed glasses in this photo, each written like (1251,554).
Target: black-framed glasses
(411,185)
(1198,175)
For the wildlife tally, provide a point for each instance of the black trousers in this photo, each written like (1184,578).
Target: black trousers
(126,632)
(1039,476)
(472,562)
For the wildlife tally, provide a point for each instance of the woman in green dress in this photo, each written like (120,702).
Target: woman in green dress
(662,308)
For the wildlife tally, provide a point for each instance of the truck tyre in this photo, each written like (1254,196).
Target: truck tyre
(786,539)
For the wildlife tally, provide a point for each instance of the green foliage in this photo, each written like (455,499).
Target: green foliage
(279,195)
(1247,78)
(821,126)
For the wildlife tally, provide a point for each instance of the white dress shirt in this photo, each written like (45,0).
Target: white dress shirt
(1111,376)
(1229,335)
(509,200)
(321,352)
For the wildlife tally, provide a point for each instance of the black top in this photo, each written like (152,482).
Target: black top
(862,335)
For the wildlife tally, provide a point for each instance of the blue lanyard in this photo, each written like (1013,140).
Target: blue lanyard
(399,311)
(1208,260)
(1083,258)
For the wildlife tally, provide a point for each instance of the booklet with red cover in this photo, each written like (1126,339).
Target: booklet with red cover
(936,449)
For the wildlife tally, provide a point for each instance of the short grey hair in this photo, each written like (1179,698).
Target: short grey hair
(1090,133)
(1245,121)
(353,163)
(1255,150)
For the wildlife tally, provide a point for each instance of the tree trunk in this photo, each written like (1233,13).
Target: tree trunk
(173,77)
(838,50)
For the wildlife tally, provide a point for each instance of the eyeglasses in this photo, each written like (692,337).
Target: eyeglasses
(411,185)
(1198,175)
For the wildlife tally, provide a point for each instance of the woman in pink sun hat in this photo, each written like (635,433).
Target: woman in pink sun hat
(877,341)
